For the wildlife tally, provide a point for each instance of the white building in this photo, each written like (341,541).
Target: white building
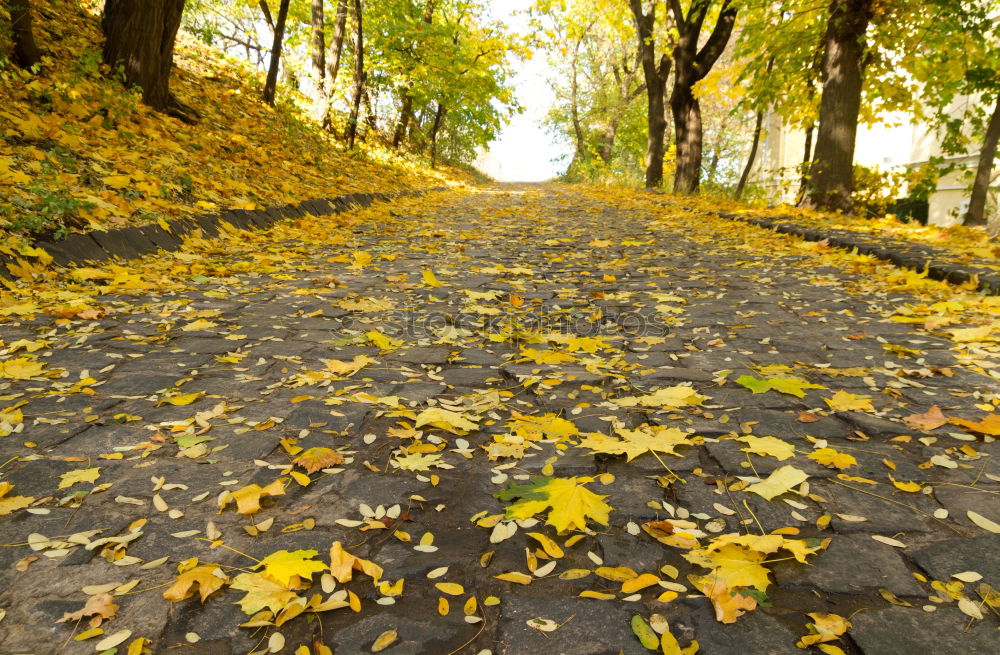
(895,144)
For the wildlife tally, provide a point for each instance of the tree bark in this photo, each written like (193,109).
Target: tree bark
(266,10)
(270,86)
(406,111)
(359,74)
(656,87)
(319,59)
(806,161)
(691,65)
(574,90)
(758,125)
(831,177)
(139,40)
(370,119)
(26,52)
(435,129)
(404,121)
(976,215)
(338,41)
(607,148)
(333,61)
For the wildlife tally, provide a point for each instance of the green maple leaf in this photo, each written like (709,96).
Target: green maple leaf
(283,565)
(568,502)
(791,386)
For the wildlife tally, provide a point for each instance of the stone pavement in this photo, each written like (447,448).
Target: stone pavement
(447,347)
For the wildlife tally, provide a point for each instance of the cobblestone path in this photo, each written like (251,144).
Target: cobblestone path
(440,350)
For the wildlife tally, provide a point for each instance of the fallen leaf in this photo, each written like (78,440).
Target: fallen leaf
(780,481)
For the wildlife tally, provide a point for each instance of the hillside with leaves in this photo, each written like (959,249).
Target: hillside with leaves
(80,152)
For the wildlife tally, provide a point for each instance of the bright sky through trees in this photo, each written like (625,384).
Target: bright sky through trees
(525,151)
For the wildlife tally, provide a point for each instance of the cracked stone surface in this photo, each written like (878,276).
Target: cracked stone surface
(669,298)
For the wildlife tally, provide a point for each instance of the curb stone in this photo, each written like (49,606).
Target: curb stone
(132,242)
(901,254)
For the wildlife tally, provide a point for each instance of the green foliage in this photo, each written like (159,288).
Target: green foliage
(459,58)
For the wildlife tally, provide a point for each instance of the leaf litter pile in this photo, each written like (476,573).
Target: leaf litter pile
(498,422)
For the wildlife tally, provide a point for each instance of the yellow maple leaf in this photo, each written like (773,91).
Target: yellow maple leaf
(779,482)
(545,356)
(10,504)
(338,367)
(569,503)
(824,628)
(262,592)
(445,419)
(117,181)
(831,458)
(284,566)
(343,564)
(645,439)
(21,368)
(314,459)
(199,325)
(534,428)
(729,605)
(843,401)
(734,565)
(382,341)
(248,498)
(430,279)
(181,399)
(69,478)
(769,446)
(668,398)
(418,462)
(208,578)
(989,425)
(360,260)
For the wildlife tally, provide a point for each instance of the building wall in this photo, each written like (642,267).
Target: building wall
(893,144)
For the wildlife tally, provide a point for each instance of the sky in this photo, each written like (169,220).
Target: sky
(525,150)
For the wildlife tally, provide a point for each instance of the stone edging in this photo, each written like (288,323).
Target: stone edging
(132,242)
(902,254)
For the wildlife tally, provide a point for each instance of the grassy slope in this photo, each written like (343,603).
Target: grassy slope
(78,151)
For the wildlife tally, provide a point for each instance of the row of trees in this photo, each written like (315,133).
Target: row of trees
(822,66)
(431,75)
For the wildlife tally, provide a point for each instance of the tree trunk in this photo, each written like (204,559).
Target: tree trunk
(688,134)
(758,124)
(404,121)
(338,42)
(981,186)
(607,149)
(319,59)
(370,119)
(806,162)
(691,66)
(438,121)
(333,61)
(25,51)
(831,177)
(139,39)
(656,88)
(359,74)
(270,86)
(266,10)
(406,111)
(575,106)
